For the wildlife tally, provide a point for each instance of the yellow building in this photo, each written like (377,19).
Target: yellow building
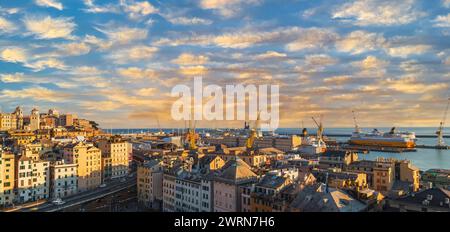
(383,176)
(21,137)
(342,180)
(31,150)
(210,163)
(5,121)
(35,120)
(409,173)
(7,177)
(89,167)
(116,150)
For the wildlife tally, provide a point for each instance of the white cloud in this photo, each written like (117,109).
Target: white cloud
(413,86)
(93,8)
(100,43)
(312,38)
(371,66)
(189,59)
(73,49)
(227,8)
(6,26)
(360,41)
(12,78)
(14,55)
(189,21)
(49,3)
(146,92)
(124,35)
(86,70)
(137,73)
(446,3)
(320,60)
(442,21)
(298,38)
(137,10)
(413,66)
(136,53)
(193,70)
(35,93)
(447,61)
(50,28)
(270,55)
(372,62)
(379,12)
(407,50)
(337,80)
(100,105)
(47,63)
(9,11)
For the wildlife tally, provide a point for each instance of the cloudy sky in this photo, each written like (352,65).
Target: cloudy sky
(116,61)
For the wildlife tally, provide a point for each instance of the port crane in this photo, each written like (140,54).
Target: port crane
(440,131)
(253,134)
(320,141)
(319,127)
(159,126)
(191,136)
(357,129)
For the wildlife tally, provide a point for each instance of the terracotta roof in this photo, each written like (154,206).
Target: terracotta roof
(235,170)
(24,158)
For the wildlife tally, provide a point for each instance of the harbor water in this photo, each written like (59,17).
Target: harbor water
(423,158)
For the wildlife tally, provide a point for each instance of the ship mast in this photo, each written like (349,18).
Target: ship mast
(440,130)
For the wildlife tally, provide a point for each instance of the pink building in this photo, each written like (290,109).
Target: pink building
(227,192)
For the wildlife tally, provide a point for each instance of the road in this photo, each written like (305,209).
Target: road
(122,201)
(111,188)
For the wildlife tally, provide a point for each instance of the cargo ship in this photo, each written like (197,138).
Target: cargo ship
(387,139)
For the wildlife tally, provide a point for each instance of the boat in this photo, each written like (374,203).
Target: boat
(384,139)
(312,146)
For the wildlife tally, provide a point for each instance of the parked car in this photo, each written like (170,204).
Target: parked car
(102,185)
(58,201)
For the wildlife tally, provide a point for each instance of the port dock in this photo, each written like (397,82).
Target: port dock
(433,147)
(417,136)
(367,149)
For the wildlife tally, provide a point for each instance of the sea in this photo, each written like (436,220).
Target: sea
(423,158)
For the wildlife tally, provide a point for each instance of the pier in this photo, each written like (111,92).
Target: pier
(367,149)
(417,136)
(433,147)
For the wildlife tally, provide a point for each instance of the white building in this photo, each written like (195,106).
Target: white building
(193,193)
(63,179)
(33,180)
(24,181)
(168,192)
(117,151)
(41,180)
